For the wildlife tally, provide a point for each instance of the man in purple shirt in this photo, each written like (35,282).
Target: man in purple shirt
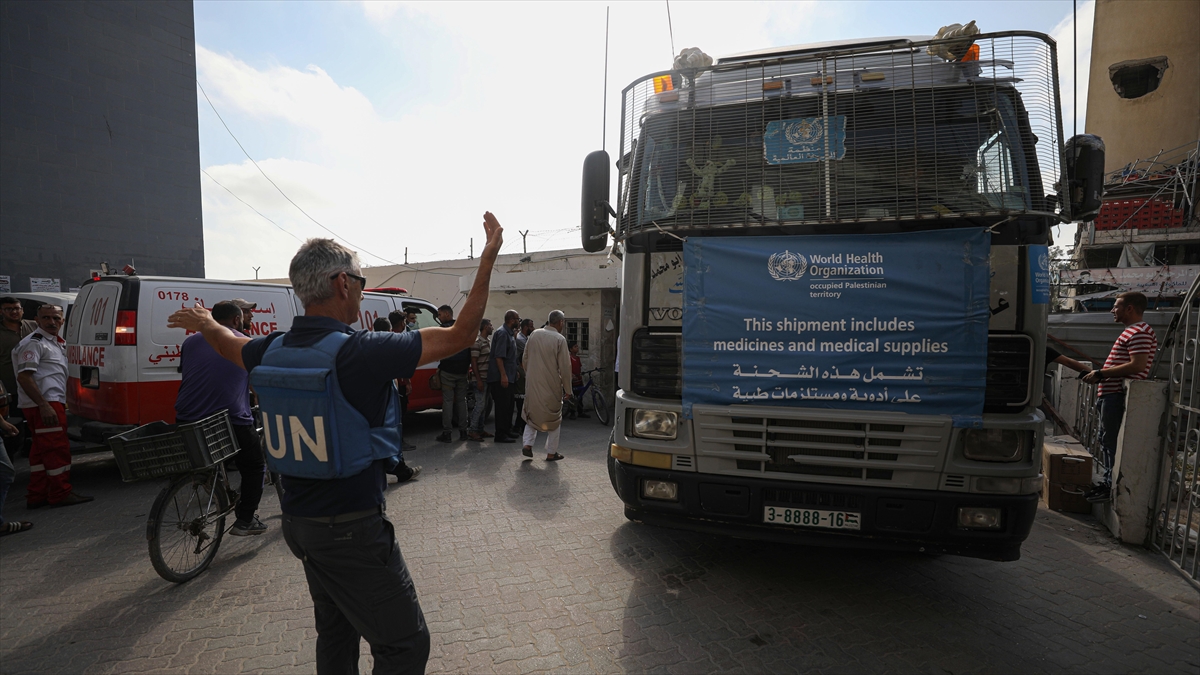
(211,384)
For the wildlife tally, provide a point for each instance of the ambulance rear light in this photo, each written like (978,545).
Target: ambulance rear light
(126,331)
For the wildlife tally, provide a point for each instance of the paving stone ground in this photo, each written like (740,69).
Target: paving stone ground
(531,567)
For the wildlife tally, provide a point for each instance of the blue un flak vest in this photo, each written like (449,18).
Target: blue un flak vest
(310,429)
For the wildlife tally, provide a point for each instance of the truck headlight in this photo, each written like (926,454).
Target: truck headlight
(980,518)
(995,445)
(665,490)
(659,424)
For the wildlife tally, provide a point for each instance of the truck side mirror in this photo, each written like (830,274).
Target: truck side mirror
(594,207)
(1084,164)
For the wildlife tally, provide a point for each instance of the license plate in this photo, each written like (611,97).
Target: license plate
(834,520)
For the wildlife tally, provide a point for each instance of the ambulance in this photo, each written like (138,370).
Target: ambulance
(125,362)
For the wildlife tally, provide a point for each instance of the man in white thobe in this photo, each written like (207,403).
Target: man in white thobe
(547,364)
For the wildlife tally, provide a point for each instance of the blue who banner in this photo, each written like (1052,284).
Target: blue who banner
(1039,274)
(894,322)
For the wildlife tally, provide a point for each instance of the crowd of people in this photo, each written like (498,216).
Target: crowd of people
(526,375)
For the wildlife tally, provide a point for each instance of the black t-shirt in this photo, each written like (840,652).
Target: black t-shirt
(457,364)
(366,366)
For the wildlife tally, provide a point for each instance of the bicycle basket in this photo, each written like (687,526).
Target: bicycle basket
(159,449)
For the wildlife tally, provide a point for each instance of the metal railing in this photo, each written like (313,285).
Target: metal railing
(1087,424)
(845,135)
(1176,522)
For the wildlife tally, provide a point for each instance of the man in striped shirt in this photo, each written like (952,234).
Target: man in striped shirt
(1130,358)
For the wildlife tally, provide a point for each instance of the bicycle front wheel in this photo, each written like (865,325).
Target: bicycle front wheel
(599,406)
(186,525)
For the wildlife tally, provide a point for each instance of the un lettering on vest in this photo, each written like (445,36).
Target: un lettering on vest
(297,432)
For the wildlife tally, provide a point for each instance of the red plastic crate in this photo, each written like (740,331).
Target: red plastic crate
(1155,214)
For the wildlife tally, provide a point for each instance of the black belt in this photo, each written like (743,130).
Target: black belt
(341,517)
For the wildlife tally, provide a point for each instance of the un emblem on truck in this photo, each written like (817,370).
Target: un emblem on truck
(786,266)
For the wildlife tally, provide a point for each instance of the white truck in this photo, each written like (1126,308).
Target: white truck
(836,288)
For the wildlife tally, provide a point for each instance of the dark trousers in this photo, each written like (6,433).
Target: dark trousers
(503,398)
(1112,412)
(360,589)
(519,422)
(251,464)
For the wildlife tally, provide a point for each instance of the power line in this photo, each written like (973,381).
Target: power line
(672,29)
(251,207)
(264,174)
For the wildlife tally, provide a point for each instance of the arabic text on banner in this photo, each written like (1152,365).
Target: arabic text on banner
(805,139)
(894,322)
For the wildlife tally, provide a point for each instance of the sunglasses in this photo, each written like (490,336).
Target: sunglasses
(362,281)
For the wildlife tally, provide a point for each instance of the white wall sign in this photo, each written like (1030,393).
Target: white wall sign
(44,285)
(5,284)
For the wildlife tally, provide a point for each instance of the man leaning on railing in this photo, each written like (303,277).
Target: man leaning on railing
(1130,358)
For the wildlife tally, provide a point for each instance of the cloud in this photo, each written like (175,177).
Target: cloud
(498,104)
(504,126)
(380,10)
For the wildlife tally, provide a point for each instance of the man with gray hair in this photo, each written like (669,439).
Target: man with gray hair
(547,382)
(324,375)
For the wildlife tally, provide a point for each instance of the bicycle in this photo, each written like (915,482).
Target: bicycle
(187,521)
(599,404)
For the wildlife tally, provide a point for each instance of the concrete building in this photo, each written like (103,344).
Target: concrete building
(1144,101)
(99,144)
(1144,87)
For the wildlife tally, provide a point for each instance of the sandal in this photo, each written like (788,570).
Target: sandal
(554,458)
(14,526)
(527,451)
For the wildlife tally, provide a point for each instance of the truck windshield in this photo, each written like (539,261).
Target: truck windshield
(892,154)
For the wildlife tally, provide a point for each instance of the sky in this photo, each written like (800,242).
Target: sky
(395,125)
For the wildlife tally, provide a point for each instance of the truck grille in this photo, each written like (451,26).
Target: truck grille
(824,445)
(657,371)
(1009,361)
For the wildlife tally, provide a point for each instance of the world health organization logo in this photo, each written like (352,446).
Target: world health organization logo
(804,131)
(786,266)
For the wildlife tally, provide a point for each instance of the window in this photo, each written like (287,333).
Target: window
(994,177)
(426,317)
(1134,79)
(995,171)
(1100,258)
(577,331)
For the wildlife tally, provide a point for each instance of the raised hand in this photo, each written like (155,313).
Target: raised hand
(189,318)
(495,234)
